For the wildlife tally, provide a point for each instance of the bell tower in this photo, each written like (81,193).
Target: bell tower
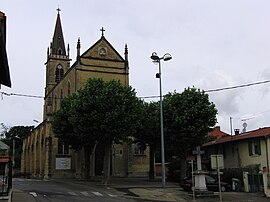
(58,61)
(57,65)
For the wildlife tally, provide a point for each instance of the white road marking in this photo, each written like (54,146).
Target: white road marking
(111,195)
(72,193)
(97,193)
(33,194)
(85,193)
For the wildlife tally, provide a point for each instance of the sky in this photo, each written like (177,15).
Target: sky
(214,44)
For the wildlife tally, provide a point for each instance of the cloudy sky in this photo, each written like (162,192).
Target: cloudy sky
(214,44)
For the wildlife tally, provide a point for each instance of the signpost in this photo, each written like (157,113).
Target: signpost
(191,160)
(217,163)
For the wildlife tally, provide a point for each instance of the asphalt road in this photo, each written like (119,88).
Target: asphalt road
(55,191)
(121,189)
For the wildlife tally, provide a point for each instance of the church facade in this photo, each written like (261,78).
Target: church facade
(44,155)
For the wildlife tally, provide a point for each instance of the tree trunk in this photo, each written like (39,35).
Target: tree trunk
(152,162)
(107,162)
(183,168)
(93,161)
(87,153)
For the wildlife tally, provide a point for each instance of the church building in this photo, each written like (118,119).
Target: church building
(44,155)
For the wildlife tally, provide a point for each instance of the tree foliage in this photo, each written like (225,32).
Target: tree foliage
(149,132)
(101,111)
(188,116)
(16,134)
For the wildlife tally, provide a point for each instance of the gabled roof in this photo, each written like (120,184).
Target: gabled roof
(259,133)
(3,146)
(217,133)
(120,58)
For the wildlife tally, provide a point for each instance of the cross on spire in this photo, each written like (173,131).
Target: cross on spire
(58,9)
(102,31)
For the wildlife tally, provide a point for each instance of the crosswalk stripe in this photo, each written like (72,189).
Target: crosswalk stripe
(33,194)
(72,193)
(97,193)
(85,193)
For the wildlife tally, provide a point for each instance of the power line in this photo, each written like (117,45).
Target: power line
(239,86)
(21,95)
(147,97)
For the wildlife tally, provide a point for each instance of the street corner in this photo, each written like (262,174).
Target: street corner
(156,194)
(19,195)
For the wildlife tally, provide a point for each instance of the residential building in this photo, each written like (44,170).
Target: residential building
(4,67)
(243,149)
(247,151)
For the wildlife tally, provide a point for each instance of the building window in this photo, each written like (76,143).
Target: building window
(63,148)
(254,147)
(59,51)
(138,150)
(61,94)
(59,72)
(50,100)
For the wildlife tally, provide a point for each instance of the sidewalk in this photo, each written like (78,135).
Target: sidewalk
(19,195)
(149,190)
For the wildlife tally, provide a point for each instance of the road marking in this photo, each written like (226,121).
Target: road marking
(111,195)
(85,193)
(72,193)
(97,193)
(33,194)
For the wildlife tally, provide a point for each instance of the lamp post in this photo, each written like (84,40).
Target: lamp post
(157,59)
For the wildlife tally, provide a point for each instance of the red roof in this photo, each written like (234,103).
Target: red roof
(261,132)
(217,133)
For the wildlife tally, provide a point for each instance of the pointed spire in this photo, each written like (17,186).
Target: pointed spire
(48,53)
(58,44)
(126,56)
(68,49)
(78,50)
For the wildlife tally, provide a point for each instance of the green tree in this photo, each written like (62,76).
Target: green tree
(149,132)
(16,134)
(101,111)
(188,117)
(62,125)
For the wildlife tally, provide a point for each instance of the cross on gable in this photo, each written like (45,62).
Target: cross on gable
(198,151)
(102,31)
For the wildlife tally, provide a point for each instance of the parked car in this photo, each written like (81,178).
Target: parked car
(211,184)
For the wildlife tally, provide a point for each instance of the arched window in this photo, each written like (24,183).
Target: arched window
(59,72)
(59,51)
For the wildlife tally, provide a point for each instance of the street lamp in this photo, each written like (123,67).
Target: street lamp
(157,59)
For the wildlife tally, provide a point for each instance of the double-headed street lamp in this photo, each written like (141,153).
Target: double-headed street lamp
(157,59)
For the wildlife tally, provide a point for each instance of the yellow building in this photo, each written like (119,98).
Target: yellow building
(248,152)
(43,154)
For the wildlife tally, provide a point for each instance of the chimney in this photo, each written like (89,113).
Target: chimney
(236,131)
(217,128)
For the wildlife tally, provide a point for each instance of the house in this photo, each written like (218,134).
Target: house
(216,132)
(249,151)
(44,155)
(4,68)
(4,149)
